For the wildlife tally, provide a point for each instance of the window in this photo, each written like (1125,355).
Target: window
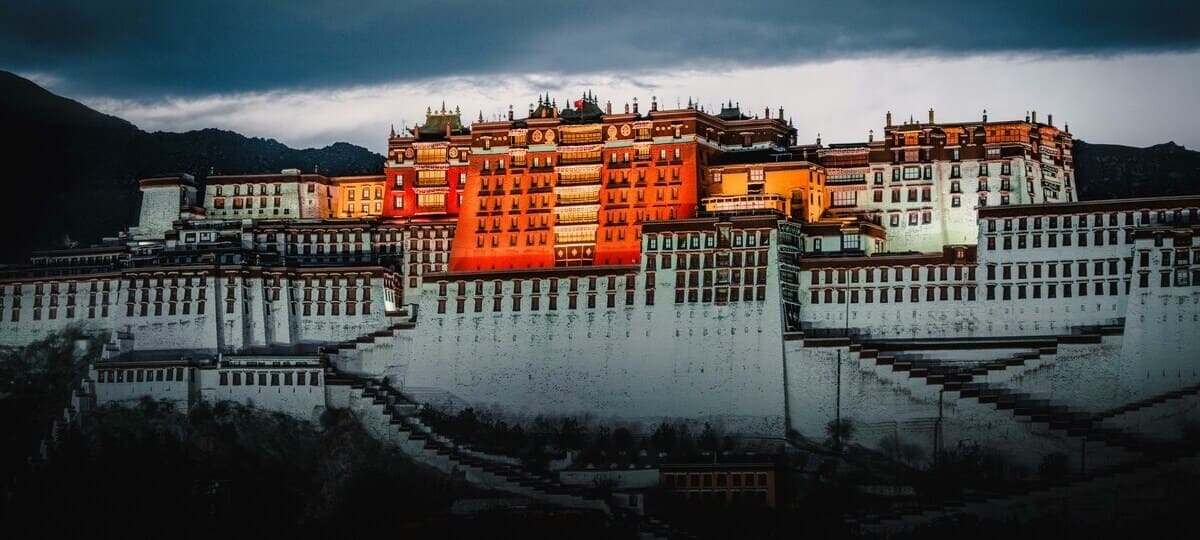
(955,172)
(955,202)
(879,178)
(757,175)
(845,198)
(912,173)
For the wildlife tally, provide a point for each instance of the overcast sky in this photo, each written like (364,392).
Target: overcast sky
(312,73)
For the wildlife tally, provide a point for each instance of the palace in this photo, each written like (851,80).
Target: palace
(639,265)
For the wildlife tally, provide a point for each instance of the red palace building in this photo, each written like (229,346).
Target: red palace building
(427,168)
(571,186)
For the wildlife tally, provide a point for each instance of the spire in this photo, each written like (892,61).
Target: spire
(443,105)
(392,134)
(480,116)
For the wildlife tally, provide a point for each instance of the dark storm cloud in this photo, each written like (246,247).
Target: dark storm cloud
(134,48)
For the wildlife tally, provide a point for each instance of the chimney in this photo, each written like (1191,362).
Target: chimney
(626,107)
(530,111)
(931,115)
(635,107)
(767,113)
(985,116)
(818,139)
(781,113)
(1026,116)
(1050,119)
(653,103)
(889,119)
(510,113)
(871,136)
(1035,117)
(607,107)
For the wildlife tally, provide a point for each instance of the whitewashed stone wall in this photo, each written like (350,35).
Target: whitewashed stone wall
(304,401)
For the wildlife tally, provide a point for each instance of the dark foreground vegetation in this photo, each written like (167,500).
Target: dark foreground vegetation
(231,471)
(35,384)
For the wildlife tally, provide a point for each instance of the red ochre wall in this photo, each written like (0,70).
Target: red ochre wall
(410,195)
(493,250)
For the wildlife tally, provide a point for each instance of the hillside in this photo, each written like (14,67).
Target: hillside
(71,170)
(1111,171)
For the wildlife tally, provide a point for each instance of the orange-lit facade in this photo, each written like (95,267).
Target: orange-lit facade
(427,167)
(358,196)
(572,187)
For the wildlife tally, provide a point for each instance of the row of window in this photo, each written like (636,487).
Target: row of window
(1052,269)
(275,189)
(722,479)
(140,375)
(1034,240)
(1128,218)
(694,261)
(367,192)
(52,312)
(884,295)
(535,285)
(273,378)
(883,275)
(53,286)
(735,238)
(720,295)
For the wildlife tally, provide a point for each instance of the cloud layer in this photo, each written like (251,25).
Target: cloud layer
(1138,99)
(143,48)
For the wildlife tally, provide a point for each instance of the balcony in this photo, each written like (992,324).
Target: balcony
(579,158)
(744,204)
(592,197)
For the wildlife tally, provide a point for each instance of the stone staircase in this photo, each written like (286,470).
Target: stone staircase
(393,418)
(978,384)
(352,356)
(929,376)
(1030,499)
(1147,403)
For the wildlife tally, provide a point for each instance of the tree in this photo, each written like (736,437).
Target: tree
(708,439)
(839,434)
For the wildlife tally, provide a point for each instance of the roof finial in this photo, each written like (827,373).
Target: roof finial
(443,105)
(392,133)
(480,116)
